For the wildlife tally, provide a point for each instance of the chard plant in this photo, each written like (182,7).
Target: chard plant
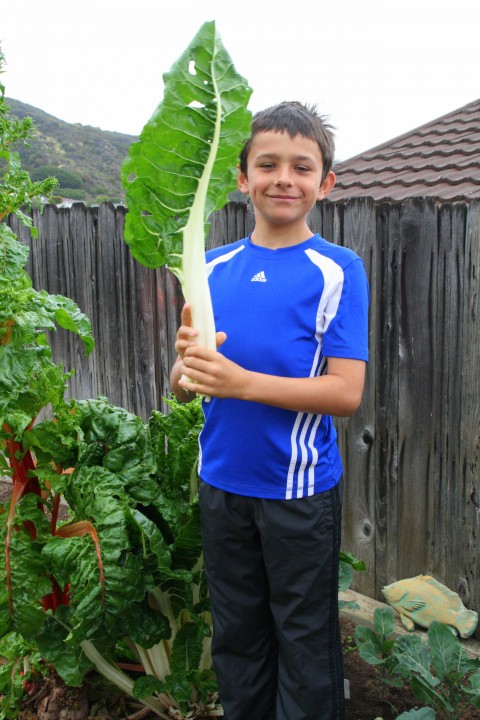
(29,380)
(120,582)
(184,166)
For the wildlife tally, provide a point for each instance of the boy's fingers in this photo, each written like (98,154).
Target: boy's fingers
(186,332)
(185,339)
(187,315)
(221,337)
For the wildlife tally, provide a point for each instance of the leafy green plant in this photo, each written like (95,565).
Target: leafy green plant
(20,670)
(127,564)
(29,380)
(376,646)
(125,569)
(18,191)
(418,714)
(438,670)
(348,565)
(185,165)
(142,578)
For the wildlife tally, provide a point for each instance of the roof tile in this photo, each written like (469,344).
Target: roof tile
(440,159)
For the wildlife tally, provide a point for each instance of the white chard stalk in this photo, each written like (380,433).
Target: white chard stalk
(118,677)
(195,281)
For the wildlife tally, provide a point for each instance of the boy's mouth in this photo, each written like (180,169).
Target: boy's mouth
(283,197)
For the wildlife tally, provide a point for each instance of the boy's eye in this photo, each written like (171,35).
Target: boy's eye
(303,168)
(267,165)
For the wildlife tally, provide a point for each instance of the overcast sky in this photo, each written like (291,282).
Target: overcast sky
(376,68)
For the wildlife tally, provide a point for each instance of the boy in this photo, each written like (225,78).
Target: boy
(291,309)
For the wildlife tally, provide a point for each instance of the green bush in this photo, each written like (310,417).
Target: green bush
(66,178)
(73,193)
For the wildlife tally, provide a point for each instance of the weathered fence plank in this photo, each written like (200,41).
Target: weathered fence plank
(417,345)
(467,472)
(356,435)
(412,480)
(447,395)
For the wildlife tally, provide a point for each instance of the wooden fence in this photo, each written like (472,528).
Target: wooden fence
(412,485)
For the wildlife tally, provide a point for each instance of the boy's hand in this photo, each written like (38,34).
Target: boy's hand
(210,373)
(186,334)
(180,383)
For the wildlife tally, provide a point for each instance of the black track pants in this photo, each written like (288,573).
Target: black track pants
(272,571)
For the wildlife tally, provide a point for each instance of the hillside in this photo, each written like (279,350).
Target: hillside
(85,160)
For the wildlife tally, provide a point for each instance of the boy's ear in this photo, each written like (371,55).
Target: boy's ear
(327,185)
(242,182)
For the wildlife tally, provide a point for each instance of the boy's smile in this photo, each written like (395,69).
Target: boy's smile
(284,182)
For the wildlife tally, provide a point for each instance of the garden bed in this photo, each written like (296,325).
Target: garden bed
(369,697)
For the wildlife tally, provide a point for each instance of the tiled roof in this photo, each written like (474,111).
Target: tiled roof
(440,160)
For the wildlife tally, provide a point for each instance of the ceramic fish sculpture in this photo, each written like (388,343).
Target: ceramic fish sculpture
(423,599)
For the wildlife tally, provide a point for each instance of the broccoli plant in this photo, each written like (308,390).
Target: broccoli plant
(437,669)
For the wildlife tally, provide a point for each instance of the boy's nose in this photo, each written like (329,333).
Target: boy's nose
(283,178)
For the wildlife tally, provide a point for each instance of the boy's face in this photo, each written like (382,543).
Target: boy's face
(284,178)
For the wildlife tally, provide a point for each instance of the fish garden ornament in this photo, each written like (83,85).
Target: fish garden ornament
(421,600)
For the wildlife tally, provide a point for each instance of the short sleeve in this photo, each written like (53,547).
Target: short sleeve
(347,333)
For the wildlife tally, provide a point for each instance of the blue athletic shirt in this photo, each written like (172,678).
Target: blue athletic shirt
(284,312)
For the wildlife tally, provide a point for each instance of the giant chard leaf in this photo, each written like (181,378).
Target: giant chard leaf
(184,166)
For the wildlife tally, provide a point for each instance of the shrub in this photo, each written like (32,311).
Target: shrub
(66,178)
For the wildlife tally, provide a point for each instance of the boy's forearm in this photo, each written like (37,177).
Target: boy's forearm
(325,395)
(337,393)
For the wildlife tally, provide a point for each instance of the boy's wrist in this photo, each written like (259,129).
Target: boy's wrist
(249,386)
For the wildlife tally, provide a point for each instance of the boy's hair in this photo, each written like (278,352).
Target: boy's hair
(295,118)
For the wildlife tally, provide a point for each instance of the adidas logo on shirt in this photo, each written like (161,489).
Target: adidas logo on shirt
(259,277)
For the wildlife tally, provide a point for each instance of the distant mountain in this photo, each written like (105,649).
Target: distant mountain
(85,160)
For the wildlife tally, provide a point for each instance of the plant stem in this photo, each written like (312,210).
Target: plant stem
(118,678)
